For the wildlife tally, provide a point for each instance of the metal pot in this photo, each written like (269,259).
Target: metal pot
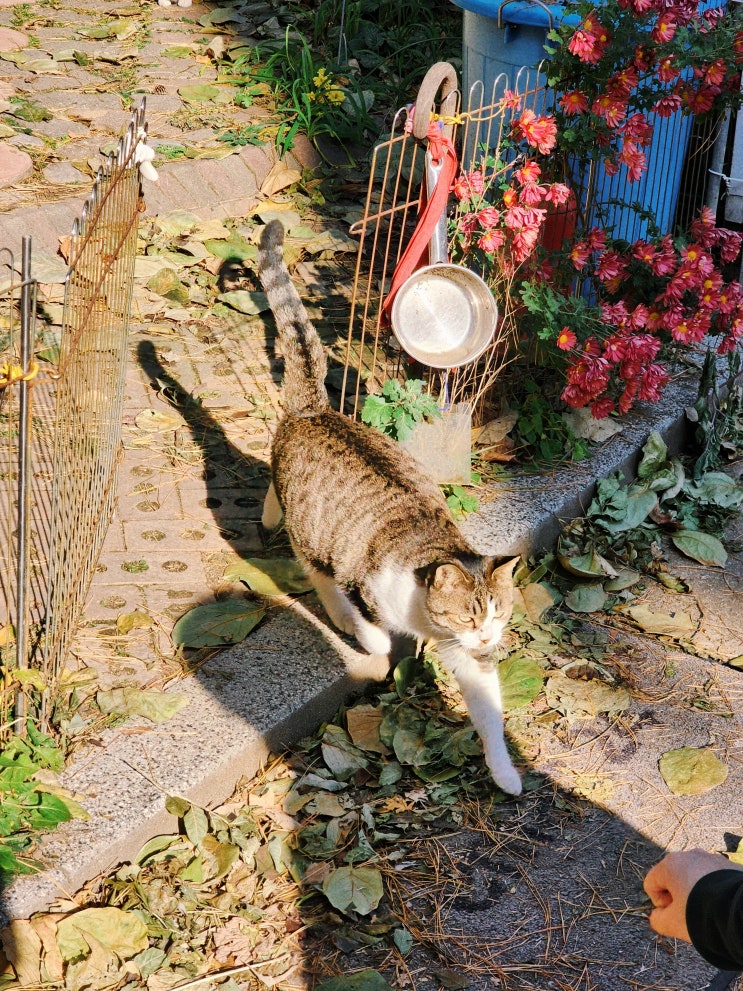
(443,315)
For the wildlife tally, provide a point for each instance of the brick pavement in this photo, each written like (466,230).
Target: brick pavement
(189,495)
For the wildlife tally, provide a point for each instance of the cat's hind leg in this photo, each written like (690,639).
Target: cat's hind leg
(272,512)
(480,687)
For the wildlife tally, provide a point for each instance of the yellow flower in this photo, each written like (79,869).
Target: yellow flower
(311,96)
(335,95)
(321,79)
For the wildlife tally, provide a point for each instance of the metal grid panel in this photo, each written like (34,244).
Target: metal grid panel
(59,471)
(393,201)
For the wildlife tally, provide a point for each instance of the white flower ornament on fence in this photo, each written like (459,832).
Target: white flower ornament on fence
(143,156)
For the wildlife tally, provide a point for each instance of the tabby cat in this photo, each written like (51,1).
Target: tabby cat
(374,531)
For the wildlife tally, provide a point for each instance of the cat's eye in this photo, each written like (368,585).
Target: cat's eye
(467,619)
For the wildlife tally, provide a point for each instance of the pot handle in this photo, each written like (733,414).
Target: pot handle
(443,76)
(438,246)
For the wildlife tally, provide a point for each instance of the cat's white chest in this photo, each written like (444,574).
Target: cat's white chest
(400,601)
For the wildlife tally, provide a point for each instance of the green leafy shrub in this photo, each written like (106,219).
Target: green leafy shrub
(398,408)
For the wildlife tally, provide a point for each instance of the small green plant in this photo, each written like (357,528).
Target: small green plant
(544,432)
(398,408)
(27,807)
(170,153)
(313,99)
(459,501)
(249,134)
(718,414)
(22,13)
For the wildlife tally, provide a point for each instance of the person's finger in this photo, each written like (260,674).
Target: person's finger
(656,884)
(660,897)
(659,922)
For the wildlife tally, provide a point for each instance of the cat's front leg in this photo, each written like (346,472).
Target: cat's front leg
(346,617)
(480,689)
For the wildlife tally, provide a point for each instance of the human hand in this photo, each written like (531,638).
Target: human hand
(669,884)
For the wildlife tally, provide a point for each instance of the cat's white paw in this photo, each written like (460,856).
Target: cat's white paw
(507,778)
(372,638)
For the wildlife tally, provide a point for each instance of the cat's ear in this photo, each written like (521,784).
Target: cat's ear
(498,567)
(448,577)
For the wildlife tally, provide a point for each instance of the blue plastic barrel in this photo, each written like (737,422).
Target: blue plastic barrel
(501,38)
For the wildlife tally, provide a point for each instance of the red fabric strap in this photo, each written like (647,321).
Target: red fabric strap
(418,245)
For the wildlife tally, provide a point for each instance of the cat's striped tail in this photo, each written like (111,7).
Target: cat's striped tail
(305,363)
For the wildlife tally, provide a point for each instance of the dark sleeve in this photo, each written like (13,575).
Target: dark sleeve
(714,918)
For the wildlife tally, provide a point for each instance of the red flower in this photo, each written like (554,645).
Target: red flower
(682,331)
(557,193)
(637,128)
(468,184)
(623,82)
(579,254)
(643,251)
(529,172)
(468,223)
(522,217)
(628,396)
(699,101)
(738,48)
(642,348)
(574,102)
(665,28)
(610,265)
(615,313)
(615,348)
(610,167)
(667,69)
(489,217)
(714,74)
(566,339)
(654,380)
(703,227)
(510,198)
(585,46)
(730,242)
(643,58)
(524,242)
(538,132)
(635,159)
(596,238)
(709,293)
(639,317)
(532,193)
(509,101)
(611,109)
(601,408)
(667,105)
(490,241)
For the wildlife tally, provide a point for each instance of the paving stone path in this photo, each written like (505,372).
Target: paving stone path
(68,78)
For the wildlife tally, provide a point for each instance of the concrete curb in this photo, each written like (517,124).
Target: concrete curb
(259,696)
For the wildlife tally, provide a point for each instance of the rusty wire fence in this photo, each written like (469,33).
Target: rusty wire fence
(61,398)
(667,197)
